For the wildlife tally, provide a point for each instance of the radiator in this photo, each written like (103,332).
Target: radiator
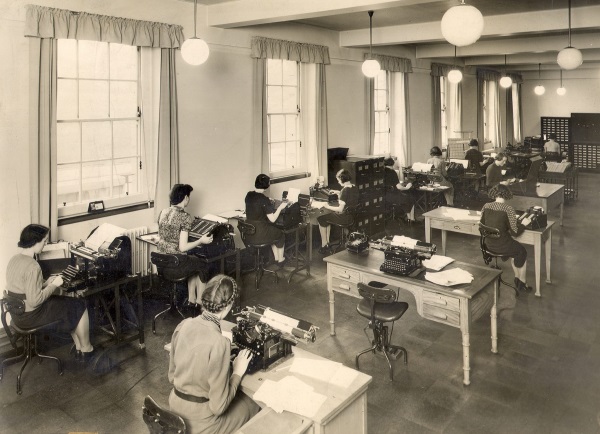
(139,250)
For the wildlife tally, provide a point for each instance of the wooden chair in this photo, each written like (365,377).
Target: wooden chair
(160,420)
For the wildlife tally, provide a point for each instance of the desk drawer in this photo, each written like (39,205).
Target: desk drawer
(462,227)
(439,314)
(436,299)
(345,274)
(344,285)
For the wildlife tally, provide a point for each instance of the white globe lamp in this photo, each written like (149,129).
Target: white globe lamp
(454,76)
(539,90)
(194,50)
(462,25)
(569,58)
(506,82)
(371,68)
(561,91)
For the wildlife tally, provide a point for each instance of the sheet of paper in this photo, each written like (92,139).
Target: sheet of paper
(58,250)
(321,370)
(106,232)
(215,218)
(437,262)
(293,194)
(343,377)
(317,204)
(232,214)
(281,318)
(291,394)
(421,167)
(455,276)
(462,214)
(402,241)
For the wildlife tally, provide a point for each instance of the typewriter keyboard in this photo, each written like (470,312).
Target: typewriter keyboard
(402,268)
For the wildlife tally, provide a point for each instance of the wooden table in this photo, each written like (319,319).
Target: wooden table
(548,196)
(439,219)
(455,306)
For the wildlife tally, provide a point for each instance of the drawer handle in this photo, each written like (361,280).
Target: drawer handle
(343,286)
(344,276)
(456,227)
(440,315)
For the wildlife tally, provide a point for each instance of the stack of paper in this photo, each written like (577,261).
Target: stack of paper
(455,276)
(462,214)
(437,262)
(402,241)
(290,394)
(421,167)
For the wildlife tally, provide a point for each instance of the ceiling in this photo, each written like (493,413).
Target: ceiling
(527,32)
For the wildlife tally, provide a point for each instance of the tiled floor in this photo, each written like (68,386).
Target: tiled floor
(545,378)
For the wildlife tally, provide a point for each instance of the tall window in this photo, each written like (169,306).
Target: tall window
(491,113)
(381,143)
(99,152)
(444,111)
(286,154)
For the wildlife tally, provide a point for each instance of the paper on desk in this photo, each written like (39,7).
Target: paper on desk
(421,167)
(104,232)
(402,241)
(215,218)
(293,194)
(455,276)
(236,213)
(291,394)
(317,204)
(437,262)
(324,370)
(58,250)
(462,214)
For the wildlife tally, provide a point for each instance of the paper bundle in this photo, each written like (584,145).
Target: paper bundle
(455,276)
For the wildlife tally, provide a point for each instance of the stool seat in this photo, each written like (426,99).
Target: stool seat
(386,312)
(165,261)
(246,231)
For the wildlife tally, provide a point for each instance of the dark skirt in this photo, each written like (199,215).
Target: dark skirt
(67,309)
(266,233)
(402,199)
(336,219)
(508,248)
(189,265)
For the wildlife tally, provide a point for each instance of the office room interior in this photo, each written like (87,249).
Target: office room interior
(220,157)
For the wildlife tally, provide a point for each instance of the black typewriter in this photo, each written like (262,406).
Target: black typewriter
(405,261)
(73,279)
(357,243)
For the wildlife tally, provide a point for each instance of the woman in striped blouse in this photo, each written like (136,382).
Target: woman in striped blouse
(500,215)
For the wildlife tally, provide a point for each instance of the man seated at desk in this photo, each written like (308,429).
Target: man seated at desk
(494,174)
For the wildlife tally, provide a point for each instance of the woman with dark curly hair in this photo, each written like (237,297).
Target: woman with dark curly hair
(439,167)
(500,215)
(204,386)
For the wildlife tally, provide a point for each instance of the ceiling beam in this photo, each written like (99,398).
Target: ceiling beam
(239,13)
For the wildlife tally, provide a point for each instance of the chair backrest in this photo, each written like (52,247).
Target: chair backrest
(14,307)
(487,232)
(164,260)
(376,295)
(246,229)
(160,420)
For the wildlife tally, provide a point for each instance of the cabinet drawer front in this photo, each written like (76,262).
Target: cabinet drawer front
(344,285)
(440,300)
(345,274)
(446,316)
(462,227)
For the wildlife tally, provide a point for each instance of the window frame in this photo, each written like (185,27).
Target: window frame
(377,130)
(68,210)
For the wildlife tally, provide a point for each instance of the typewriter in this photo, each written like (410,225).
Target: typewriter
(406,261)
(357,243)
(269,335)
(73,279)
(539,219)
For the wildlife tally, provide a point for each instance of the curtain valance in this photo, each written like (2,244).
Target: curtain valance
(442,69)
(488,74)
(51,23)
(391,63)
(266,48)
(516,78)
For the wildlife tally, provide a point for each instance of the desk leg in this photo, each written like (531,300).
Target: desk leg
(562,207)
(466,357)
(309,242)
(142,343)
(118,312)
(494,318)
(537,246)
(548,248)
(332,312)
(427,229)
(444,238)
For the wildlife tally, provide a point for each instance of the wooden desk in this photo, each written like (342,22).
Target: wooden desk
(344,411)
(454,306)
(548,196)
(438,219)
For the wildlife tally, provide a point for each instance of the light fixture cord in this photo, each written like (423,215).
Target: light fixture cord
(455,57)
(195,6)
(539,71)
(561,77)
(569,23)
(370,34)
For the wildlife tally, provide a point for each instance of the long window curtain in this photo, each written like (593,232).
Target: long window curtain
(509,117)
(265,48)
(44,25)
(167,162)
(517,110)
(397,69)
(488,118)
(452,102)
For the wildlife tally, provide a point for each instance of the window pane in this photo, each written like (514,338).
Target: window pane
(277,157)
(93,59)
(68,143)
(274,99)
(291,121)
(96,141)
(123,99)
(277,128)
(123,62)
(66,58)
(125,138)
(66,99)
(95,180)
(93,99)
(125,177)
(291,154)
(381,122)
(67,183)
(290,101)
(290,73)
(274,71)
(380,100)
(381,79)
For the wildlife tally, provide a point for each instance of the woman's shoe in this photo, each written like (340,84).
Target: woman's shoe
(86,357)
(522,286)
(325,250)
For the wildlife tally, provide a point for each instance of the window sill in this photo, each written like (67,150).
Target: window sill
(106,213)
(290,177)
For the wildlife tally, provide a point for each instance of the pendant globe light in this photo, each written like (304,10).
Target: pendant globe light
(569,57)
(194,50)
(454,75)
(370,67)
(561,90)
(505,81)
(539,89)
(462,25)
